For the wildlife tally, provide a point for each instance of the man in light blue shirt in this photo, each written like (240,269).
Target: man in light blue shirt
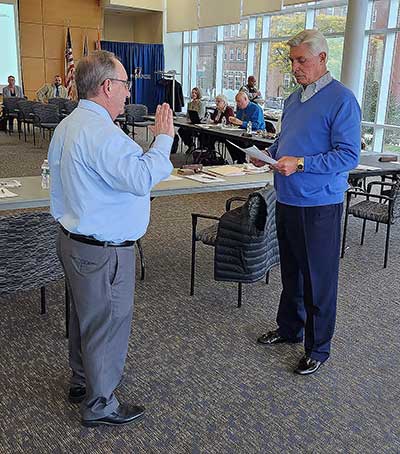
(100,194)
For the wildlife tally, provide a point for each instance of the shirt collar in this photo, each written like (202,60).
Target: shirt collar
(94,107)
(315,87)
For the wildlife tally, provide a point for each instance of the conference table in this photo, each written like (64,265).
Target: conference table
(31,195)
(219,133)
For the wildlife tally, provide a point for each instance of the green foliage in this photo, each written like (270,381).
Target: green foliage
(289,25)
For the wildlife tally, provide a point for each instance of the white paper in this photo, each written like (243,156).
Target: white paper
(4,193)
(255,153)
(202,178)
(172,178)
(362,167)
(10,183)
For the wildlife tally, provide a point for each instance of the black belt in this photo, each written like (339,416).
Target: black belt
(93,241)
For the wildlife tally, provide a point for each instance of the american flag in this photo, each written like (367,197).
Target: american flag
(69,66)
(98,44)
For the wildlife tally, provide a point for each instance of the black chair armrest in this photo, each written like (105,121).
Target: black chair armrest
(204,216)
(375,196)
(229,202)
(379,183)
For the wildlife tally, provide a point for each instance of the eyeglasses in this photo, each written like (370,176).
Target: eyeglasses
(128,83)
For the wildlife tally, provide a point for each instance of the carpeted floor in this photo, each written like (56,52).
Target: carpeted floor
(193,361)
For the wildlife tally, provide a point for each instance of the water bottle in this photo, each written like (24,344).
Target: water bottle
(249,127)
(208,117)
(223,122)
(45,174)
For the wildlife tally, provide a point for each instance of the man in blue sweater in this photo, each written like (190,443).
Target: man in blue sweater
(246,111)
(318,145)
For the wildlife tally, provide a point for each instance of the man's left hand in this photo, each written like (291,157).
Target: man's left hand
(286,165)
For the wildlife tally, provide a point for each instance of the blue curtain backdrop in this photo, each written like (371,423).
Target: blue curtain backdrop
(149,57)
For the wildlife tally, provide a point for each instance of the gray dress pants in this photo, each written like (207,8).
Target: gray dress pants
(101,286)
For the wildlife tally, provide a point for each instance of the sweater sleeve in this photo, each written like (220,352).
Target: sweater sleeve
(345,139)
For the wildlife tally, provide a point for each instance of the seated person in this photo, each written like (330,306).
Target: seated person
(54,90)
(10,91)
(246,111)
(222,111)
(251,89)
(200,107)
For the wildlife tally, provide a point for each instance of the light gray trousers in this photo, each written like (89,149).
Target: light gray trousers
(101,282)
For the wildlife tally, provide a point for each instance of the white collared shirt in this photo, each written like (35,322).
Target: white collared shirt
(315,87)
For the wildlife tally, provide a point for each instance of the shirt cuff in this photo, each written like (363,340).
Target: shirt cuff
(163,142)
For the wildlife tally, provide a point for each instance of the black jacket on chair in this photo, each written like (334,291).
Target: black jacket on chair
(246,247)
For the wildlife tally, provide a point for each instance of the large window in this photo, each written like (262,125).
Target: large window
(219,60)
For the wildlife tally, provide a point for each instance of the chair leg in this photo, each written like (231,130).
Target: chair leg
(141,256)
(193,262)
(67,311)
(387,246)
(34,135)
(346,218)
(42,300)
(377,227)
(363,231)
(267,277)
(239,294)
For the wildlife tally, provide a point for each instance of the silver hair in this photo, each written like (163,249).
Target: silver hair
(313,38)
(223,97)
(92,71)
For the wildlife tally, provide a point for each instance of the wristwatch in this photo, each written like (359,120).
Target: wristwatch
(300,165)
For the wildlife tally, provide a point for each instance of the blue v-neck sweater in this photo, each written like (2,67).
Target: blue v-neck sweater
(326,131)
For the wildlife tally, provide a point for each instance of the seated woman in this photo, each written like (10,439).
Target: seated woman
(221,114)
(200,107)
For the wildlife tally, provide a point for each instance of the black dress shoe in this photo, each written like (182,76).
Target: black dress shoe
(307,366)
(124,414)
(76,394)
(273,338)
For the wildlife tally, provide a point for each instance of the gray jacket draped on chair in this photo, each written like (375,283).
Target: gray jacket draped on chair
(246,247)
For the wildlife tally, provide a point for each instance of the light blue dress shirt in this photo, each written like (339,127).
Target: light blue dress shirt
(100,178)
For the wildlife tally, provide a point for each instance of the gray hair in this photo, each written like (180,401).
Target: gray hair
(92,71)
(313,38)
(223,98)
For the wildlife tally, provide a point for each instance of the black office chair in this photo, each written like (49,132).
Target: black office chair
(10,112)
(46,118)
(385,211)
(26,114)
(256,245)
(28,257)
(134,117)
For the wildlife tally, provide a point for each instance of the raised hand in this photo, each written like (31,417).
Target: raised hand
(164,123)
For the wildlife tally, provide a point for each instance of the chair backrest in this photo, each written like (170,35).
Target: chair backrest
(10,103)
(28,257)
(135,112)
(70,106)
(395,195)
(246,244)
(47,113)
(59,102)
(26,107)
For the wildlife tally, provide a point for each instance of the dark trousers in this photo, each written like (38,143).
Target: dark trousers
(309,246)
(101,283)
(187,136)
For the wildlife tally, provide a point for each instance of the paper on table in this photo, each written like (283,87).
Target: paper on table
(254,152)
(10,183)
(363,167)
(6,193)
(202,178)
(172,178)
